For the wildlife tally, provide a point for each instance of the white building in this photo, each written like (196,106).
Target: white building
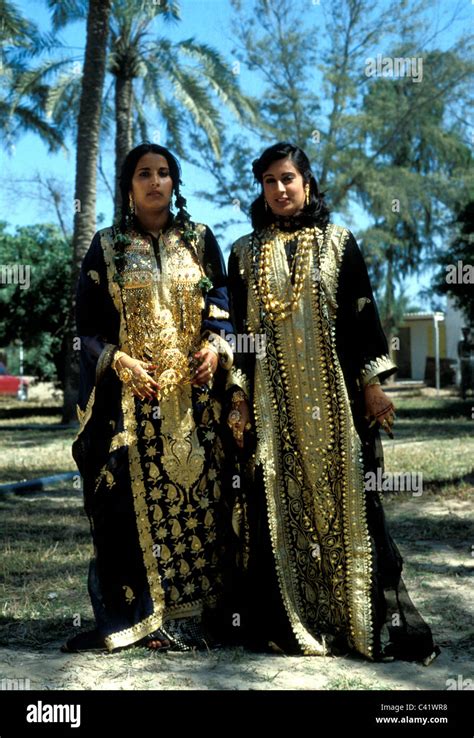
(428,348)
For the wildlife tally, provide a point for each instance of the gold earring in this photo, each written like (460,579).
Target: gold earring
(131,204)
(306,189)
(266,205)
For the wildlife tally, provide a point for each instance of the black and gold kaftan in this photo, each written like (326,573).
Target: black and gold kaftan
(152,470)
(323,571)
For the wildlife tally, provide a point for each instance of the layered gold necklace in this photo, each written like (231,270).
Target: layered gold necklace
(278,308)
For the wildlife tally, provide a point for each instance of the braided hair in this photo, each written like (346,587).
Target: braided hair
(126,175)
(127,218)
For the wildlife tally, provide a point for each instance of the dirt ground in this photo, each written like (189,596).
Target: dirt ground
(434,536)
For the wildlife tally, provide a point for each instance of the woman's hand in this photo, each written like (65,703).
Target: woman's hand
(379,408)
(141,384)
(208,361)
(239,425)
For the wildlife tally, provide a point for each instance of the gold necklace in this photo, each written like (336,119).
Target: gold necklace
(277,308)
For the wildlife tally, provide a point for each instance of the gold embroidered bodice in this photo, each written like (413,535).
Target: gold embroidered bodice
(163,303)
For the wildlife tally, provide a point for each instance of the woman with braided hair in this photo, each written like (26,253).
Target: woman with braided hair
(151,306)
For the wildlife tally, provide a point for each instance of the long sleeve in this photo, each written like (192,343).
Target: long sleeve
(96,317)
(361,342)
(244,360)
(216,327)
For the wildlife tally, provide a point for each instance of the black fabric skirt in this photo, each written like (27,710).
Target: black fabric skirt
(264,618)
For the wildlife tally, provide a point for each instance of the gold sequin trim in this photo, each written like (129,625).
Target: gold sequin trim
(130,635)
(218,313)
(377,366)
(239,378)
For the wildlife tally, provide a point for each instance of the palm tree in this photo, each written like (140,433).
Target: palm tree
(180,85)
(181,81)
(88,132)
(148,75)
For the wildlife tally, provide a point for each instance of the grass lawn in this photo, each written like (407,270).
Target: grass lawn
(432,436)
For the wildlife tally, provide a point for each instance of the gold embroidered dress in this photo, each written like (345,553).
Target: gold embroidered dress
(323,570)
(152,470)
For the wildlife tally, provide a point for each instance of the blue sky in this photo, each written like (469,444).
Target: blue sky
(208,21)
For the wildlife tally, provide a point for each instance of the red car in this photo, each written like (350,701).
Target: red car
(16,386)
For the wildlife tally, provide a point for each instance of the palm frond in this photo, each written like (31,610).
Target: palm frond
(175,127)
(169,113)
(28,120)
(63,100)
(13,26)
(220,77)
(193,95)
(67,11)
(27,80)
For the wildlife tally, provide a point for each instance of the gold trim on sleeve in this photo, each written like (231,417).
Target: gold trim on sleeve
(104,361)
(374,380)
(220,346)
(380,365)
(238,378)
(218,313)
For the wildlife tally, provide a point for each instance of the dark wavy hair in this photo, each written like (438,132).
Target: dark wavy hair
(126,174)
(317,211)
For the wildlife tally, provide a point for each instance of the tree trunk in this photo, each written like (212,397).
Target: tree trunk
(86,175)
(123,131)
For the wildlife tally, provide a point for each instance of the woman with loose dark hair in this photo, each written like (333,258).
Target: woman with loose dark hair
(315,210)
(151,307)
(323,574)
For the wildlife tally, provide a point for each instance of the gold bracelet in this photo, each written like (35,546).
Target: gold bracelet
(124,373)
(117,356)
